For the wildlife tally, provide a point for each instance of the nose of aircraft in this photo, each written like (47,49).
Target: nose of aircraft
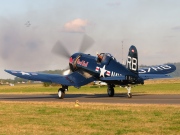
(72,61)
(74,57)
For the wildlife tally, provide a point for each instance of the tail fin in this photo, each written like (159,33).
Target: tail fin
(132,60)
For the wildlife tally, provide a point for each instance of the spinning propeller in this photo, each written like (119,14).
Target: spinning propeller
(60,49)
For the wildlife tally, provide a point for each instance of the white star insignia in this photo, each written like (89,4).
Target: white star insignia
(24,73)
(102,71)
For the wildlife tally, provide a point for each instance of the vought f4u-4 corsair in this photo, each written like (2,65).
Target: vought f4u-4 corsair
(86,68)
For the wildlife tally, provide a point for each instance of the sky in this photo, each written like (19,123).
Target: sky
(30,29)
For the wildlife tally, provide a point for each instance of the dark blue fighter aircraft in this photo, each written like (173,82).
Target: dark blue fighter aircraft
(86,68)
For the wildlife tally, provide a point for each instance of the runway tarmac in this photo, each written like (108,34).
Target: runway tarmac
(96,98)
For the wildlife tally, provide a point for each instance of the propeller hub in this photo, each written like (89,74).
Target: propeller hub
(73,61)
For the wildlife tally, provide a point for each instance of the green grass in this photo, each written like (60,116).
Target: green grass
(27,88)
(149,88)
(165,88)
(53,118)
(27,118)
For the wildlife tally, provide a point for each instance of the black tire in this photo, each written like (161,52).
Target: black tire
(61,93)
(110,92)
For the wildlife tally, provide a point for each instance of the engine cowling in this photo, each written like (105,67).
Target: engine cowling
(73,63)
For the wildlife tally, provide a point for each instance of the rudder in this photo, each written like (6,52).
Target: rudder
(132,60)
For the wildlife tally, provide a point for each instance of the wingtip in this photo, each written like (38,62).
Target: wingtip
(8,71)
(5,70)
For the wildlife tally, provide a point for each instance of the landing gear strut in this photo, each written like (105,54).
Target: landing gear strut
(110,90)
(129,91)
(61,92)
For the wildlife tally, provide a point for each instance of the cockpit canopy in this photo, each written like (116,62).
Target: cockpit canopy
(104,58)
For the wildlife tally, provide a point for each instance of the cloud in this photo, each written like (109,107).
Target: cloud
(177,28)
(114,4)
(76,25)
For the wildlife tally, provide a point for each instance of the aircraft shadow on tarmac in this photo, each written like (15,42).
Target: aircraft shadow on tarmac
(121,95)
(54,96)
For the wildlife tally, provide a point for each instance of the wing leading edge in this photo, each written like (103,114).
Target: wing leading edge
(68,80)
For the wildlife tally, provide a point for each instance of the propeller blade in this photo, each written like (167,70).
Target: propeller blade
(86,43)
(59,49)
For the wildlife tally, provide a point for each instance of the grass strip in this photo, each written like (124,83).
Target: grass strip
(54,118)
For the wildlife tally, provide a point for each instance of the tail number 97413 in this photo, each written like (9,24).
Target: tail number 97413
(132,63)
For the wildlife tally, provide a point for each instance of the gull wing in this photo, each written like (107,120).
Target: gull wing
(160,69)
(155,72)
(74,79)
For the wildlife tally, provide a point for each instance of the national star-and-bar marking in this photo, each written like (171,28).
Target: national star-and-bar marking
(24,73)
(103,71)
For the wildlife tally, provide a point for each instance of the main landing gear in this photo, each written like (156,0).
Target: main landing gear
(129,91)
(110,90)
(61,92)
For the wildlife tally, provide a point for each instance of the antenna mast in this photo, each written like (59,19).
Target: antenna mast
(122,54)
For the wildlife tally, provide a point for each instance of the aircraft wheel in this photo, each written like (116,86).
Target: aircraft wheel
(110,92)
(61,93)
(129,95)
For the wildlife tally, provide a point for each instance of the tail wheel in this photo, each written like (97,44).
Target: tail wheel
(61,93)
(129,91)
(110,91)
(129,95)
